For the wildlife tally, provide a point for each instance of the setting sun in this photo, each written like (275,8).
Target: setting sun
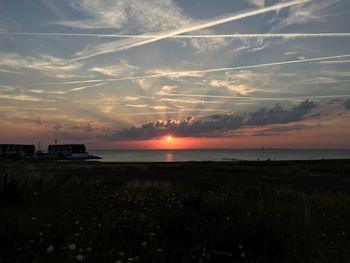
(169,138)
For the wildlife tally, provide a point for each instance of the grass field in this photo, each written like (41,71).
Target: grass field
(175,212)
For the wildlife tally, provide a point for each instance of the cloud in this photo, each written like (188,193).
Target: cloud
(336,62)
(188,36)
(53,66)
(121,69)
(147,15)
(116,46)
(166,89)
(231,86)
(40,121)
(218,125)
(104,14)
(58,126)
(185,128)
(160,107)
(54,8)
(62,92)
(7,88)
(74,136)
(311,11)
(90,126)
(76,127)
(138,15)
(283,129)
(191,101)
(9,71)
(347,104)
(181,111)
(278,115)
(131,98)
(23,98)
(250,99)
(82,88)
(200,72)
(137,105)
(290,53)
(259,3)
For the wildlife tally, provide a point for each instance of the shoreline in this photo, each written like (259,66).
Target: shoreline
(92,161)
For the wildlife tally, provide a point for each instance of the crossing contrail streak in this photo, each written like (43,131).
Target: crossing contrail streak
(252,98)
(210,23)
(61,92)
(280,63)
(194,72)
(232,36)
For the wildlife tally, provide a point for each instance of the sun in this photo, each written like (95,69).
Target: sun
(169,138)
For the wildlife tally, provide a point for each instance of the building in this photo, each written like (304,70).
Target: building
(62,150)
(16,151)
(69,152)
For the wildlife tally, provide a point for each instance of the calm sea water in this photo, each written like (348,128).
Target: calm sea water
(216,155)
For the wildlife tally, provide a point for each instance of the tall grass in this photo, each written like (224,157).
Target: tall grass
(202,212)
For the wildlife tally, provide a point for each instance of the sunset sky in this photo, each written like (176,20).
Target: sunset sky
(211,74)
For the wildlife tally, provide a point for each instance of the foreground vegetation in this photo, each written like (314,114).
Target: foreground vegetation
(175,212)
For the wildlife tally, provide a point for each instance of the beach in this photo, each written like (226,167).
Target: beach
(242,211)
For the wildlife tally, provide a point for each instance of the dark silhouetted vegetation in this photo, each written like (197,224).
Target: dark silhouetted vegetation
(175,212)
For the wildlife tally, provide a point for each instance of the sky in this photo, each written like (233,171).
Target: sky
(211,74)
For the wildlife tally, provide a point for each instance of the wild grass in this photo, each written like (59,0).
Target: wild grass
(189,212)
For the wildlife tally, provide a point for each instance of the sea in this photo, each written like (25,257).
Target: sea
(217,155)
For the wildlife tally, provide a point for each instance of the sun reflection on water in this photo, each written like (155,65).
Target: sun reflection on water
(169,157)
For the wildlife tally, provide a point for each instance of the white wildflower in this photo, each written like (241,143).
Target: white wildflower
(79,257)
(49,249)
(72,246)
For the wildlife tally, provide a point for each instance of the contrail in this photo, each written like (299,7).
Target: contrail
(230,36)
(335,62)
(105,80)
(86,87)
(196,27)
(252,98)
(61,92)
(193,72)
(271,64)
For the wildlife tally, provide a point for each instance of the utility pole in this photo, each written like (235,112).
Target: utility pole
(263,153)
